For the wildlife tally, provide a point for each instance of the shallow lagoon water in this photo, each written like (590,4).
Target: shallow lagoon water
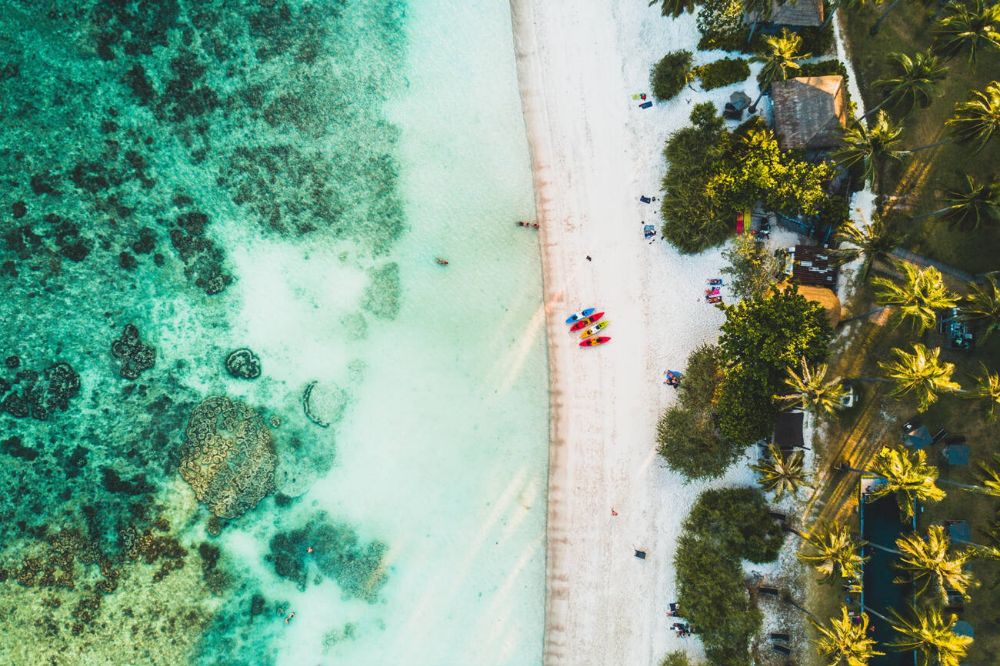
(419,483)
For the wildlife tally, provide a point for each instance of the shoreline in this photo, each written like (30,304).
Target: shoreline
(593,152)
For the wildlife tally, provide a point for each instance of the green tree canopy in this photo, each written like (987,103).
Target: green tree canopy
(844,642)
(918,296)
(968,25)
(781,473)
(833,551)
(737,521)
(977,119)
(686,434)
(921,373)
(913,80)
(770,334)
(982,305)
(669,76)
(870,242)
(907,476)
(752,267)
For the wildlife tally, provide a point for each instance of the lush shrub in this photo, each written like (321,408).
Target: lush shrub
(712,174)
(710,581)
(721,26)
(768,335)
(751,268)
(692,220)
(737,521)
(723,72)
(761,338)
(687,436)
(670,75)
(674,7)
(745,409)
(675,659)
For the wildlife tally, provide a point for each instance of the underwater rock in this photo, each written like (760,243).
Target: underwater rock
(135,356)
(40,395)
(20,209)
(201,256)
(243,364)
(228,456)
(14,447)
(12,361)
(358,568)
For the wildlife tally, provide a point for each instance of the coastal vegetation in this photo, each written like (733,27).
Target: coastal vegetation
(713,174)
(670,75)
(723,72)
(927,149)
(724,527)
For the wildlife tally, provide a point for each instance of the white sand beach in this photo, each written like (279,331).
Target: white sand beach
(593,153)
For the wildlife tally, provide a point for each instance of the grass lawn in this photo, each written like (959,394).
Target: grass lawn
(924,180)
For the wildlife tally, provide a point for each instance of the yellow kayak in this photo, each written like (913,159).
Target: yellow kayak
(594,329)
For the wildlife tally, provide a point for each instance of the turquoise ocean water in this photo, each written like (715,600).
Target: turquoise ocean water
(364,482)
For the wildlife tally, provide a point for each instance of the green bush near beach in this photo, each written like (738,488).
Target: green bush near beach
(723,72)
(687,435)
(675,659)
(670,75)
(724,527)
(762,338)
(713,174)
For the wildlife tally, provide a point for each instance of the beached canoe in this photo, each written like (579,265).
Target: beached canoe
(594,329)
(593,342)
(584,323)
(573,318)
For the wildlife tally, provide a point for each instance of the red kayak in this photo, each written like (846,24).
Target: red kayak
(593,342)
(584,323)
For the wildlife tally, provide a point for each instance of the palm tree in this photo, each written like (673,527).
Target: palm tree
(988,390)
(812,391)
(780,473)
(913,81)
(783,52)
(921,373)
(844,641)
(933,635)
(874,241)
(832,551)
(870,145)
(989,476)
(931,566)
(977,119)
(968,25)
(674,7)
(920,295)
(982,304)
(906,475)
(967,209)
(756,11)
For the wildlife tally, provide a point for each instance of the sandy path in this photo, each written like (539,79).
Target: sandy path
(593,153)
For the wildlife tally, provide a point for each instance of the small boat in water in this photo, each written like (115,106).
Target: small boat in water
(593,342)
(594,329)
(573,318)
(584,323)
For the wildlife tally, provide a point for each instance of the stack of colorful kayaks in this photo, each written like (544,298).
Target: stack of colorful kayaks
(587,323)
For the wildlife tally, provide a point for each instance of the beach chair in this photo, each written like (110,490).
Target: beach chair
(641,554)
(645,199)
(645,105)
(781,649)
(649,231)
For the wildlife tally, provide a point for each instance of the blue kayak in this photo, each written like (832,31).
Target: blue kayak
(579,315)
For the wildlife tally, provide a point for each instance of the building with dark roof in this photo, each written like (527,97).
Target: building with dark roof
(794,14)
(810,112)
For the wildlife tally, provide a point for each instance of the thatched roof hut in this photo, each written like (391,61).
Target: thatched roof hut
(802,13)
(810,112)
(824,297)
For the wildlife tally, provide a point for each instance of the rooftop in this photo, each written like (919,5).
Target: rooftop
(810,112)
(801,13)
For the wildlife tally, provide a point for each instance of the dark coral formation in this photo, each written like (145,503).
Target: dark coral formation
(228,456)
(203,259)
(37,395)
(133,354)
(337,552)
(243,364)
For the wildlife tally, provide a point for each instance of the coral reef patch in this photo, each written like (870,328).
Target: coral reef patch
(243,364)
(133,355)
(228,456)
(331,549)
